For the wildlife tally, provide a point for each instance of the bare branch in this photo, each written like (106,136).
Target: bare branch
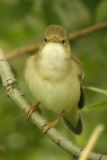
(87,31)
(30,49)
(15,94)
(71,36)
(96,133)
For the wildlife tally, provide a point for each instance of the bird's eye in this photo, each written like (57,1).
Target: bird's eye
(63,41)
(45,39)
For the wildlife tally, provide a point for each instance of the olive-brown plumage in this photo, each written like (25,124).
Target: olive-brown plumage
(55,78)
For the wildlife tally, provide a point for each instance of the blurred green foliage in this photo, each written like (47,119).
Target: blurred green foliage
(23,22)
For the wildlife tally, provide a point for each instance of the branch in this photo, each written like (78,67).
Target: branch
(96,133)
(30,49)
(86,31)
(72,36)
(15,94)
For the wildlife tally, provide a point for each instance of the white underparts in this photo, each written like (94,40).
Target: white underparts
(54,61)
(54,83)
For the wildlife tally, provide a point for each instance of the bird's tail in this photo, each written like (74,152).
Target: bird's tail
(76,129)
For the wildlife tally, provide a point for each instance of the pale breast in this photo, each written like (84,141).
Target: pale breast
(56,96)
(52,79)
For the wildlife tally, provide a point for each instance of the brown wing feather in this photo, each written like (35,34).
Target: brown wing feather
(82,99)
(78,129)
(80,73)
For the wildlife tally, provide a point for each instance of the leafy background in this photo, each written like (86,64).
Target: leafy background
(22,23)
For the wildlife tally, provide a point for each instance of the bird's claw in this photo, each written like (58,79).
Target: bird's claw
(49,125)
(32,109)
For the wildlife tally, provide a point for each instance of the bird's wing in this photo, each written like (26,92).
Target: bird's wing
(80,73)
(68,119)
(81,100)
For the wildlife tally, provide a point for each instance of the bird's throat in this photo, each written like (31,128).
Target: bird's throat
(54,61)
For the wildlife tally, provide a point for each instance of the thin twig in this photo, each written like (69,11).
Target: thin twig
(96,133)
(30,49)
(71,36)
(86,31)
(15,94)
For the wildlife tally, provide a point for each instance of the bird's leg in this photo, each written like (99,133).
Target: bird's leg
(33,108)
(52,124)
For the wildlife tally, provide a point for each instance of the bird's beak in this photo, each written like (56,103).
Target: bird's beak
(55,39)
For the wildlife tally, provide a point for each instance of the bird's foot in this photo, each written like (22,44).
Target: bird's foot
(49,125)
(33,108)
(52,124)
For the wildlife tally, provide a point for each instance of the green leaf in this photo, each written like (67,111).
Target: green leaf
(101,11)
(98,90)
(96,106)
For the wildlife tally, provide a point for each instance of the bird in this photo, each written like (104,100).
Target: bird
(55,78)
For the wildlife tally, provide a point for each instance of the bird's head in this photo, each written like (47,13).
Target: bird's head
(56,34)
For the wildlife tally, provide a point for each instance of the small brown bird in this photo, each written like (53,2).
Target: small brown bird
(55,78)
